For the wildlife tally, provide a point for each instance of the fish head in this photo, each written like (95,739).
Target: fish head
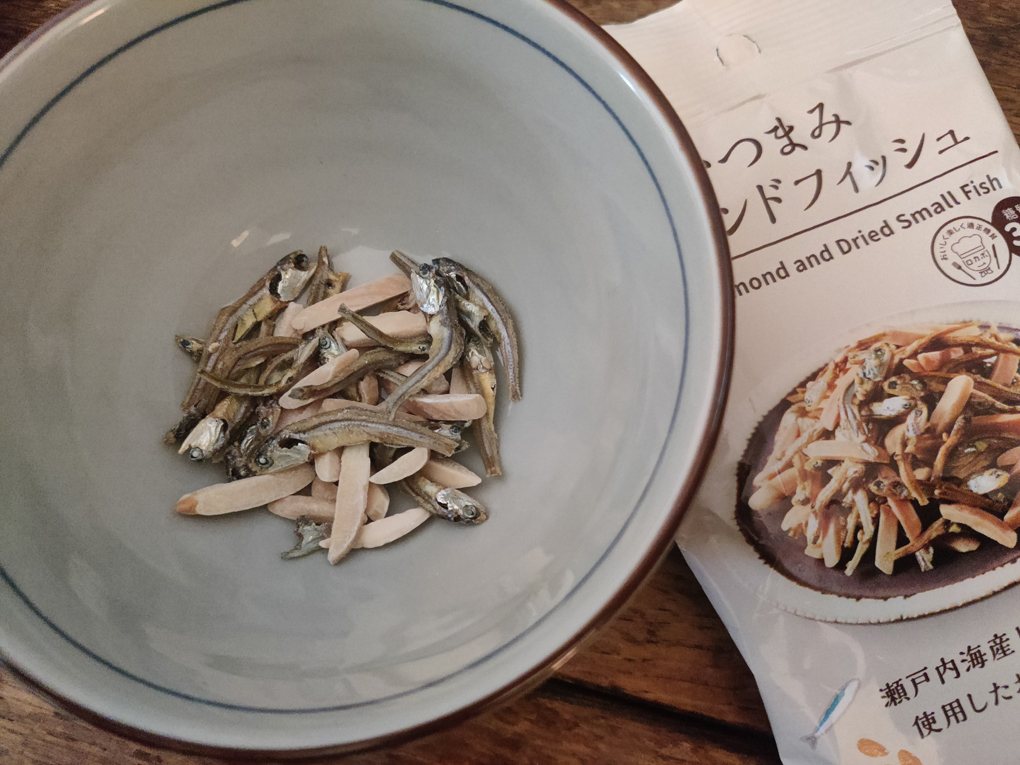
(428,289)
(329,346)
(292,274)
(280,454)
(266,416)
(453,273)
(204,439)
(460,507)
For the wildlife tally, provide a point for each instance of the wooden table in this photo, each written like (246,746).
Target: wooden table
(661,683)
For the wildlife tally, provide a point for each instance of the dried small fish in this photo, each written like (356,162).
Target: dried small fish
(479,293)
(192,346)
(449,504)
(309,534)
(244,407)
(447,340)
(941,403)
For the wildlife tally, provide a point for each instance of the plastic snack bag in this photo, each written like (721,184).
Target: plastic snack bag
(856,529)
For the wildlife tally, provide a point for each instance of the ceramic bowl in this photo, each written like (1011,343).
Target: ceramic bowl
(156,159)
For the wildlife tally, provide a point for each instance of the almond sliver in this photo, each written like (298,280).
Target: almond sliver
(378,502)
(295,506)
(290,416)
(351,500)
(458,383)
(327,466)
(357,299)
(982,522)
(439,385)
(403,466)
(285,323)
(449,473)
(954,398)
(448,406)
(382,532)
(885,540)
(247,493)
(323,490)
(331,370)
(402,324)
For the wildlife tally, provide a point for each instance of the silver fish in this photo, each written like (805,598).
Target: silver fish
(893,406)
(309,534)
(835,710)
(988,481)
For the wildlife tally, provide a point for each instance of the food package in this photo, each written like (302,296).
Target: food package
(856,528)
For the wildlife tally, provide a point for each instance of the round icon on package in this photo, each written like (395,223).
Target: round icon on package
(1006,218)
(970,251)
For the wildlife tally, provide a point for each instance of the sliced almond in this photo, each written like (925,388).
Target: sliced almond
(290,416)
(351,500)
(450,474)
(285,323)
(401,324)
(458,382)
(845,450)
(982,522)
(368,390)
(386,530)
(913,365)
(331,370)
(448,406)
(833,536)
(327,466)
(295,506)
(907,517)
(323,490)
(1005,369)
(954,399)
(247,493)
(933,360)
(885,539)
(402,466)
(796,516)
(439,385)
(773,490)
(357,299)
(1009,457)
(378,502)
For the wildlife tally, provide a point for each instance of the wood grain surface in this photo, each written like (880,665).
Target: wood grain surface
(662,683)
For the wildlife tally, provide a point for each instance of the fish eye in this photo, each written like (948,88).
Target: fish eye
(263,461)
(456,430)
(264,423)
(324,342)
(424,269)
(196,454)
(301,261)
(470,512)
(186,345)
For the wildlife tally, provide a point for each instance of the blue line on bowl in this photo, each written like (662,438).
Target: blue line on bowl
(658,463)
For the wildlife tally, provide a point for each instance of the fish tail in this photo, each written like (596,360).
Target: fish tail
(812,740)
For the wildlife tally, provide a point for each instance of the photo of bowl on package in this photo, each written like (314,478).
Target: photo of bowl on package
(892,470)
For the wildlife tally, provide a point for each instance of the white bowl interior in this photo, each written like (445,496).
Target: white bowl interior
(164,183)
